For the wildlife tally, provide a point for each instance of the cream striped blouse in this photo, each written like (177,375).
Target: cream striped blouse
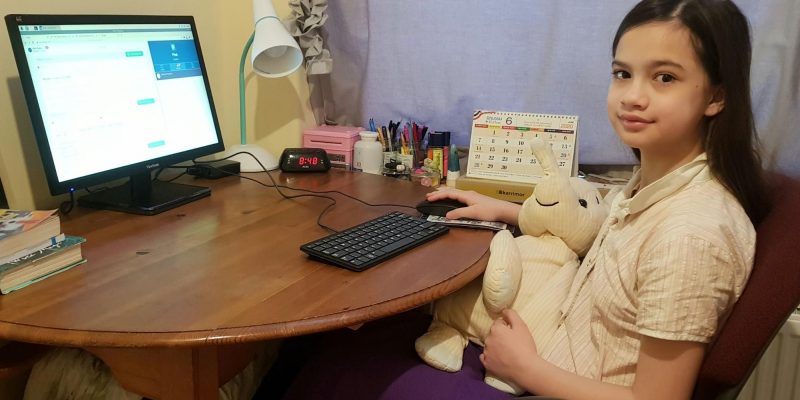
(669,263)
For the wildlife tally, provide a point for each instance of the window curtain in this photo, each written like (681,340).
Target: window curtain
(436,61)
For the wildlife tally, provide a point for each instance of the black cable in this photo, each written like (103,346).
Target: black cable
(160,170)
(311,193)
(176,176)
(92,190)
(66,206)
(158,173)
(275,185)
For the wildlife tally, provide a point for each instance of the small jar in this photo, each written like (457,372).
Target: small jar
(368,153)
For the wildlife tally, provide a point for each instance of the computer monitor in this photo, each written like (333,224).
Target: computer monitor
(114,96)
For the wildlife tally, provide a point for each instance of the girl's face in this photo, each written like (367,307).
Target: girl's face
(660,93)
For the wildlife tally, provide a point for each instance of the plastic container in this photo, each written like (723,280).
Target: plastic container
(368,153)
(338,142)
(426,178)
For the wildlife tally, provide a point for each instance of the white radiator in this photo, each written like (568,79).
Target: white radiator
(777,376)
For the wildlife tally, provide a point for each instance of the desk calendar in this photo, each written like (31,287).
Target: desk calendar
(499,146)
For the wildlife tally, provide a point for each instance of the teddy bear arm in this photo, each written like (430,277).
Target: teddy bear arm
(503,274)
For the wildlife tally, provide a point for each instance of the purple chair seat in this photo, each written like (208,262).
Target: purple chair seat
(378,361)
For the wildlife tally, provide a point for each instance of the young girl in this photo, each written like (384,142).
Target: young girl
(677,248)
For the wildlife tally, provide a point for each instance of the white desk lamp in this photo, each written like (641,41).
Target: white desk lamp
(275,54)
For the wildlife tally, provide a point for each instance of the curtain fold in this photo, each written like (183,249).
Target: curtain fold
(305,24)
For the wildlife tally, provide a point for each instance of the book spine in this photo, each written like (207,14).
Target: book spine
(69,241)
(22,253)
(8,290)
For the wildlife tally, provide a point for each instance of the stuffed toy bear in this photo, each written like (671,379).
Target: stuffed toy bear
(530,274)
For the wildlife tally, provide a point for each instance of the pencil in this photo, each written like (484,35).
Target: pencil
(380,138)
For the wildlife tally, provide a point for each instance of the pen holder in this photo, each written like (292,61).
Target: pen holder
(395,166)
(405,159)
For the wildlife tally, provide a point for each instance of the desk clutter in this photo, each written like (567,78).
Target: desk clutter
(32,248)
(407,151)
(499,161)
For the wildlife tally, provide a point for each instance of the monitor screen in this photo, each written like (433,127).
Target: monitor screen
(116,96)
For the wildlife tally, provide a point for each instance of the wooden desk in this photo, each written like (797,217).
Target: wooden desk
(173,303)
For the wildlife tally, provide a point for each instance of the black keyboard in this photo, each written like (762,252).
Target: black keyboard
(374,241)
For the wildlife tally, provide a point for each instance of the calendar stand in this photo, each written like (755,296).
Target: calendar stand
(500,149)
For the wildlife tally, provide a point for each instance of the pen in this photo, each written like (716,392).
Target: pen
(413,145)
(385,132)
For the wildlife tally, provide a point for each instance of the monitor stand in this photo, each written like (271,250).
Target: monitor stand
(142,195)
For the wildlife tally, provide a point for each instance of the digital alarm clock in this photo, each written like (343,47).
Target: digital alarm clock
(306,159)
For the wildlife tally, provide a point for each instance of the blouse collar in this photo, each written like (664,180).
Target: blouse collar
(693,171)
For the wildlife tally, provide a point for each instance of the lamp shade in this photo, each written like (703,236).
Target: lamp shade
(274,53)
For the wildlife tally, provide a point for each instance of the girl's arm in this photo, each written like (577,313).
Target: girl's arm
(479,207)
(666,369)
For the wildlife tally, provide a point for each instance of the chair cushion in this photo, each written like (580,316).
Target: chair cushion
(379,362)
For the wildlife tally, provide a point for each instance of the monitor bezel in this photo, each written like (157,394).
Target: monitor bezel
(13,21)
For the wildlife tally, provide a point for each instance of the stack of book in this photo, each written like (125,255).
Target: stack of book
(33,248)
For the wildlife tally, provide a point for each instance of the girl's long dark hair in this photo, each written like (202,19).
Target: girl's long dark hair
(721,39)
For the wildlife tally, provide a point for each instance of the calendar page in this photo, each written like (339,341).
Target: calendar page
(499,146)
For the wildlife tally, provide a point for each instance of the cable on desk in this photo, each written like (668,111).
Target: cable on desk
(311,193)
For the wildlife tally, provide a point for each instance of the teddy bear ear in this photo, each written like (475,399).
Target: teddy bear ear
(544,154)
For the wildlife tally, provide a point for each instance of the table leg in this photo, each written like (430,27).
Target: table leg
(175,373)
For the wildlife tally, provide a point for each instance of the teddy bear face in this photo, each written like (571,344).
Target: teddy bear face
(569,208)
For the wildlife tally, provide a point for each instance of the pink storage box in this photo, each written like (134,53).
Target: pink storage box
(338,142)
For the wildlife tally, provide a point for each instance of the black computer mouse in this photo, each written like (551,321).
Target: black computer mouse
(439,207)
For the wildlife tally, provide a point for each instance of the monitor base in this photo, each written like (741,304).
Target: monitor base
(161,196)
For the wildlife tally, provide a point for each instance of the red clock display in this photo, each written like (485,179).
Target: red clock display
(304,160)
(308,161)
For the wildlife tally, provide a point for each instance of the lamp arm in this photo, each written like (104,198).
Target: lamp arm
(242,105)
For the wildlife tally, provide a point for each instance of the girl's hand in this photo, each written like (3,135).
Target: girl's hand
(479,207)
(509,350)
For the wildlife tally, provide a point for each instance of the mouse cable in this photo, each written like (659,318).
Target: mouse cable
(310,193)
(275,185)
